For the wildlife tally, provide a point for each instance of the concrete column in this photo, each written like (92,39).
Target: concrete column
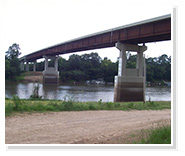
(130,83)
(140,60)
(34,66)
(140,64)
(46,63)
(27,66)
(56,63)
(122,59)
(122,63)
(137,61)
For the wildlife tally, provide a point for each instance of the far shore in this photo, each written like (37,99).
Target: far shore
(38,77)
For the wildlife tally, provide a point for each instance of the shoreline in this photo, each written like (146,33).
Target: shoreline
(38,77)
(16,105)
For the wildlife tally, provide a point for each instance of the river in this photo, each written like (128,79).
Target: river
(82,93)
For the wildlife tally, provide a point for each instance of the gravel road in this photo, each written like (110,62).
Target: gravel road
(80,127)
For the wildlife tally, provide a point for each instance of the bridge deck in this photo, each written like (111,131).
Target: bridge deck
(152,30)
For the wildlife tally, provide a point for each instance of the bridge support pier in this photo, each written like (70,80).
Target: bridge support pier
(27,66)
(51,74)
(34,66)
(130,83)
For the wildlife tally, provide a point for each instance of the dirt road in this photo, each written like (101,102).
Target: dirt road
(80,127)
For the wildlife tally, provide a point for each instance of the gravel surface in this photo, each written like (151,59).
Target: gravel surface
(81,127)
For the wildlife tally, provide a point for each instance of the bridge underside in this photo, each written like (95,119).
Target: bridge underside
(154,30)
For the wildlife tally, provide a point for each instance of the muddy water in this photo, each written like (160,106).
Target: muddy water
(80,92)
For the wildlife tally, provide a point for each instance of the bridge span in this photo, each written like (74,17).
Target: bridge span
(130,83)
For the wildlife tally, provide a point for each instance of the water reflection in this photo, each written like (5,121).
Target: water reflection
(50,92)
(80,92)
(158,93)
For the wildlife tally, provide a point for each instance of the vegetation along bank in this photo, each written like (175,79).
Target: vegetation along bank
(17,105)
(81,68)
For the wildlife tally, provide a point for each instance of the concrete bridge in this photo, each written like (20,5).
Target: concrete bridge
(130,83)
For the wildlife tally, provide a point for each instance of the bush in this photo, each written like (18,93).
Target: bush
(35,94)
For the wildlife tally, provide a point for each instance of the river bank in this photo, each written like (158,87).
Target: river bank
(32,77)
(17,105)
(38,76)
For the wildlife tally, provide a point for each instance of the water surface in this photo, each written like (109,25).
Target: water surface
(82,93)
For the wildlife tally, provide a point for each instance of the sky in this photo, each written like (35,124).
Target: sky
(37,24)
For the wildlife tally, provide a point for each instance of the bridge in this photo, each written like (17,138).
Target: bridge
(130,83)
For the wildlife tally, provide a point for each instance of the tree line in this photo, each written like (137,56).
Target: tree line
(84,67)
(91,66)
(157,68)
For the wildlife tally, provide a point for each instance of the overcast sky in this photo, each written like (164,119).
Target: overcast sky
(36,24)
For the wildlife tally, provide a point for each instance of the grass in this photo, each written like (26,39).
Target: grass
(33,105)
(160,135)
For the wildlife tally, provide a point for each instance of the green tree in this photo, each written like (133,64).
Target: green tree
(12,64)
(131,61)
(88,65)
(7,68)
(109,69)
(91,66)
(74,75)
(158,68)
(165,62)
(62,64)
(74,62)
(13,52)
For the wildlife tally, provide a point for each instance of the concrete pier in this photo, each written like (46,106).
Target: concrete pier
(51,74)
(27,65)
(34,66)
(130,83)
